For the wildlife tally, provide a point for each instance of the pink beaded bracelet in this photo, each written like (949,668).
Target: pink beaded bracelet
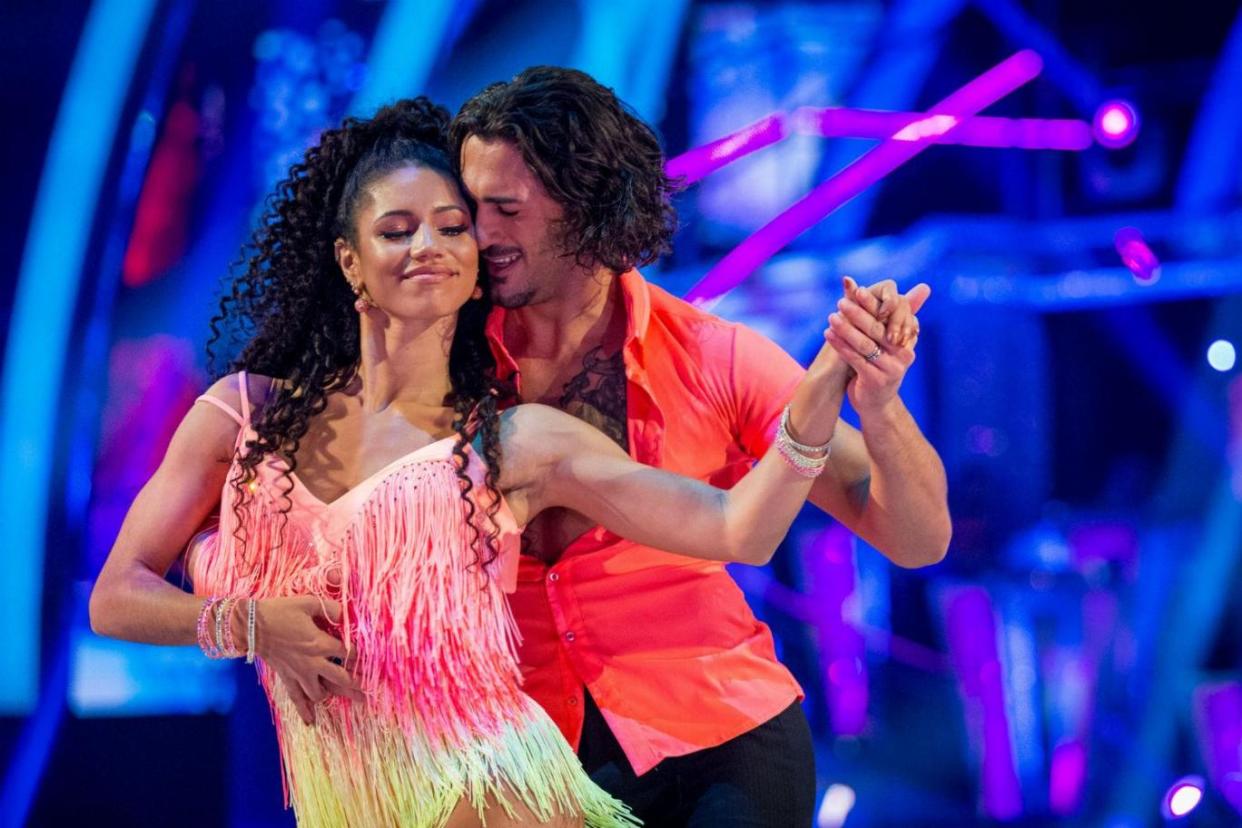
(229,645)
(203,629)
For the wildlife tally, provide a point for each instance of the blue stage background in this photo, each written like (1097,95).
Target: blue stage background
(1075,658)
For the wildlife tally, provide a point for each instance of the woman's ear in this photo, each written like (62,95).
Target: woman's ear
(347,260)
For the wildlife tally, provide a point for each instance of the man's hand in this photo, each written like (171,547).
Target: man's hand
(874,331)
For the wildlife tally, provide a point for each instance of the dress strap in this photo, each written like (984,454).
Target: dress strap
(223,406)
(243,385)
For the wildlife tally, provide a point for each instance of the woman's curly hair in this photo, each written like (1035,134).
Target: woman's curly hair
(292,312)
(593,155)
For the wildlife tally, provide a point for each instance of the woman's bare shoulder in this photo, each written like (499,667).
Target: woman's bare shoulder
(259,389)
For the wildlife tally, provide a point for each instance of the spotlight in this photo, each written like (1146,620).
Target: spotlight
(1137,255)
(1116,124)
(1221,355)
(1183,797)
(836,805)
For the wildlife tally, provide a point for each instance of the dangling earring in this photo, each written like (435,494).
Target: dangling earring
(363,303)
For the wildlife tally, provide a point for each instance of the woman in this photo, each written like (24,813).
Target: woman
(355,458)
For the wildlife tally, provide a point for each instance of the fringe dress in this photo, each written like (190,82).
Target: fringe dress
(445,717)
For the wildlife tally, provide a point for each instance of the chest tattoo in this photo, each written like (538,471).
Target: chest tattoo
(595,395)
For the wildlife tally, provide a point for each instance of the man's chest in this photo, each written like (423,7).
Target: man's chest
(593,389)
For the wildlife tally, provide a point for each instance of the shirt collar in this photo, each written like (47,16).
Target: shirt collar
(637,295)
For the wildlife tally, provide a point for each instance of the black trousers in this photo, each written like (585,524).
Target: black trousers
(764,778)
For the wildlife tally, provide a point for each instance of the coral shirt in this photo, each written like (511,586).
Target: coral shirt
(667,645)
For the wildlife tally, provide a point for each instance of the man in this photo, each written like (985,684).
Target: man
(652,664)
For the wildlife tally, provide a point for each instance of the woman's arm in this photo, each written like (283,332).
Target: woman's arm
(131,599)
(565,462)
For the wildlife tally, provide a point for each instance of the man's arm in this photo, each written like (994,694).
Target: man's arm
(888,484)
(885,484)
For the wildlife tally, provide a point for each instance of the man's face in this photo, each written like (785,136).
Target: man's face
(516,224)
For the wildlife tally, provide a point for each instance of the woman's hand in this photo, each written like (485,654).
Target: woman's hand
(291,640)
(897,311)
(874,331)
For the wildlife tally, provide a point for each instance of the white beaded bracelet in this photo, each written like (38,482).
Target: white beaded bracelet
(806,460)
(802,448)
(250,625)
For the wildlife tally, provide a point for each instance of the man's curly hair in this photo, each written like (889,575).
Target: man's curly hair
(593,155)
(292,313)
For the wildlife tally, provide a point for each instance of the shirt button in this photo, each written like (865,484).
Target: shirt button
(569,636)
(572,701)
(554,577)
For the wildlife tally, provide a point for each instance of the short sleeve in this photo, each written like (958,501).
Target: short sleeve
(508,546)
(509,559)
(763,379)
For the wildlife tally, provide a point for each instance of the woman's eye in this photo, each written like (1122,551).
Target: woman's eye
(393,235)
(455,230)
(505,212)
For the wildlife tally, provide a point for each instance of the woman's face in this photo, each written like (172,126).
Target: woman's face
(416,254)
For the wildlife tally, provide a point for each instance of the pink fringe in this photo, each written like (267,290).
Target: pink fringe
(435,648)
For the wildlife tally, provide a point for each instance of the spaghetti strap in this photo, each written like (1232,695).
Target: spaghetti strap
(223,406)
(243,385)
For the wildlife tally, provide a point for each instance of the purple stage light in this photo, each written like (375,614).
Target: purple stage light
(701,161)
(1004,133)
(869,168)
(832,576)
(1067,773)
(1116,124)
(971,630)
(1218,721)
(1096,543)
(1183,796)
(1136,255)
(980,131)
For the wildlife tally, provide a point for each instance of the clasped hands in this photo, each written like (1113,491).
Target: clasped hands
(870,341)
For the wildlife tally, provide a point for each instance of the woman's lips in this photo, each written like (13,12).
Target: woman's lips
(427,275)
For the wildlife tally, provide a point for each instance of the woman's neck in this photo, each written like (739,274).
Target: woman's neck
(404,362)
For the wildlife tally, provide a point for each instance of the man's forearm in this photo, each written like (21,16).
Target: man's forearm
(905,512)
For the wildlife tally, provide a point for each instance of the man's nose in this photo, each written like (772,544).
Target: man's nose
(485,231)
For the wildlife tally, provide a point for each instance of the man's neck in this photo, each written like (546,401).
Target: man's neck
(589,312)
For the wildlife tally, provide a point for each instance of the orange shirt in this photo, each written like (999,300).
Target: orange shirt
(671,652)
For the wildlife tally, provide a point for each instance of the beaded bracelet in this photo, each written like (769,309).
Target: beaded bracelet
(220,610)
(250,625)
(230,648)
(214,629)
(802,465)
(802,448)
(806,460)
(203,631)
